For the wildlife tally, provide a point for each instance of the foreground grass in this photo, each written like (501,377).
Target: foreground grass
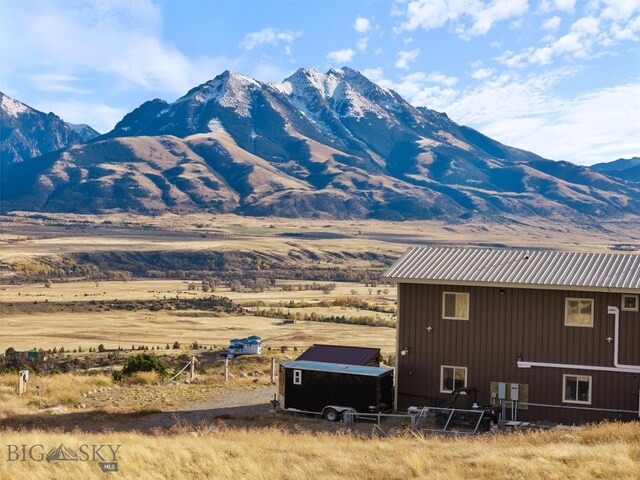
(602,451)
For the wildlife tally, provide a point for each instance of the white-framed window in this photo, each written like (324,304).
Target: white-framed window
(629,302)
(578,312)
(576,389)
(297,377)
(455,306)
(452,377)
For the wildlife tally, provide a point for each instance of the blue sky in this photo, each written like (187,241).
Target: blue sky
(557,77)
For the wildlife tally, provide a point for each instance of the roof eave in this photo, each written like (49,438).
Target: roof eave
(467,283)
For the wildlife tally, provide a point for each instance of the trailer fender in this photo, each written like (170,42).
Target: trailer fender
(334,413)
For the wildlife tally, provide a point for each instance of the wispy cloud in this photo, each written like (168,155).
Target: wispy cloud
(557,127)
(405,57)
(552,23)
(470,18)
(116,38)
(57,82)
(104,117)
(482,73)
(269,36)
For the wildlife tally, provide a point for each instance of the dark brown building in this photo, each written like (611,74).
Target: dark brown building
(557,331)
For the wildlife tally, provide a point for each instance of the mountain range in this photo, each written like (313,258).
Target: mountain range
(625,168)
(317,144)
(26,133)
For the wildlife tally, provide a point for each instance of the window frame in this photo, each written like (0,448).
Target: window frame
(458,367)
(566,311)
(444,304)
(297,377)
(578,378)
(623,308)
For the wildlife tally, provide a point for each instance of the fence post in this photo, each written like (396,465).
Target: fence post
(273,371)
(23,380)
(193,368)
(226,369)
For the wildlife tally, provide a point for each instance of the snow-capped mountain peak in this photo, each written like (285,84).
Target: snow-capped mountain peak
(27,132)
(12,107)
(229,89)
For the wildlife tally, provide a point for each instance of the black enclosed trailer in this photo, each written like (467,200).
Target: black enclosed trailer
(331,388)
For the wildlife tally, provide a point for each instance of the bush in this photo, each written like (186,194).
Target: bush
(101,348)
(145,362)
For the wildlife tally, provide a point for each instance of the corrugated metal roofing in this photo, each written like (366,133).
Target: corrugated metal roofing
(342,354)
(517,267)
(336,367)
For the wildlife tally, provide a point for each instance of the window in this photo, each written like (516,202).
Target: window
(455,306)
(578,312)
(452,378)
(630,303)
(297,377)
(577,389)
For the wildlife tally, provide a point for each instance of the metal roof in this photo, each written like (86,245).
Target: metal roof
(518,268)
(337,368)
(342,354)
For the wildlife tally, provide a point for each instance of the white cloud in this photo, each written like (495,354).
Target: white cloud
(482,73)
(470,18)
(120,39)
(341,56)
(600,125)
(404,57)
(552,23)
(268,35)
(437,77)
(562,5)
(620,9)
(362,25)
(565,5)
(362,44)
(56,82)
(374,74)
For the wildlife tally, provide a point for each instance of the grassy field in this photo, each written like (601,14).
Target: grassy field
(609,451)
(25,236)
(37,317)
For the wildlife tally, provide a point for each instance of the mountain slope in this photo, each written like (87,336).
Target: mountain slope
(624,168)
(28,133)
(333,144)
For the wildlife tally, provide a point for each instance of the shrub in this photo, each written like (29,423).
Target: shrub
(145,362)
(101,348)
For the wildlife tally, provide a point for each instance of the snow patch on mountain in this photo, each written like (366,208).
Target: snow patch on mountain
(12,107)
(215,126)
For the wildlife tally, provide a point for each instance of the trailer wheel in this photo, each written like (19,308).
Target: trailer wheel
(331,414)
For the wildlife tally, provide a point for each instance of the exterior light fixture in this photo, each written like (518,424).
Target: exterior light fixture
(405,351)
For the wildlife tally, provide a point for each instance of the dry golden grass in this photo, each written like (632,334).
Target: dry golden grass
(87,329)
(46,326)
(607,451)
(60,390)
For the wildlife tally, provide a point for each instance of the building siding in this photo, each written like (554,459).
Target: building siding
(526,322)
